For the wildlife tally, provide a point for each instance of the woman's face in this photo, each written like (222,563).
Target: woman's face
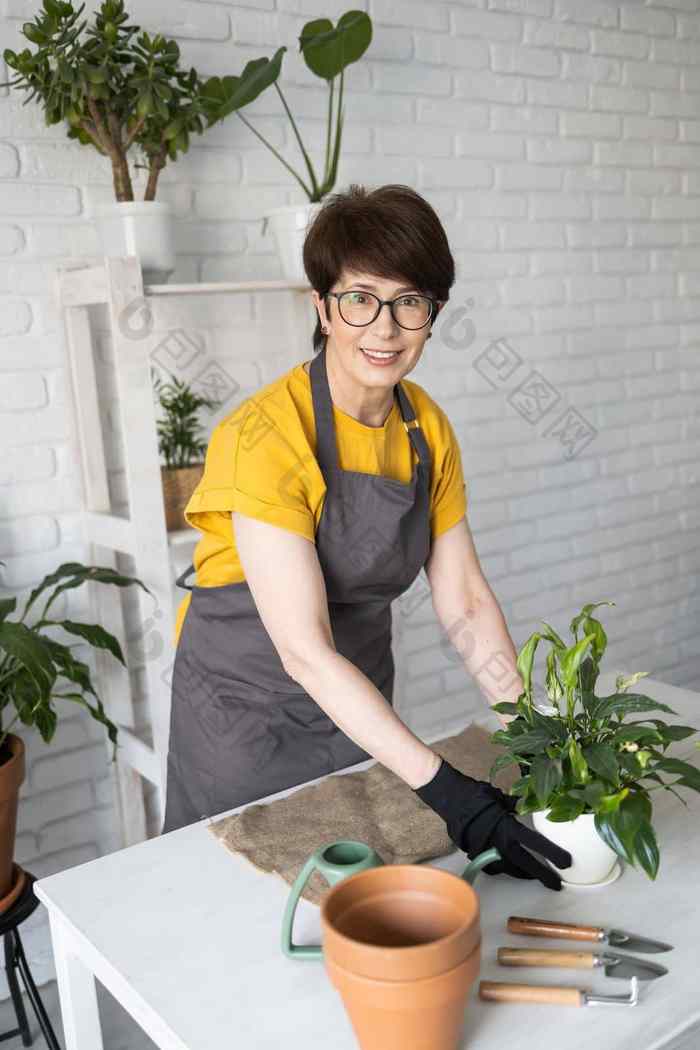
(347,341)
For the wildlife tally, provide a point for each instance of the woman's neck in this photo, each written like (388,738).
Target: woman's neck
(374,414)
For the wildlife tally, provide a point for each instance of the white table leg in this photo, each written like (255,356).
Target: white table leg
(76,990)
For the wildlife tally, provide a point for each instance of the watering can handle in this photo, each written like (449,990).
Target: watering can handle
(480,861)
(298,951)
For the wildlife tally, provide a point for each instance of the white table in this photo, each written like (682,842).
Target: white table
(185,935)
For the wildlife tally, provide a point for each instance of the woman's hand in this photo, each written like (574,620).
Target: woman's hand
(479,815)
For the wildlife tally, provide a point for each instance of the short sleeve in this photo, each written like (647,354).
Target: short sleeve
(448,497)
(251,467)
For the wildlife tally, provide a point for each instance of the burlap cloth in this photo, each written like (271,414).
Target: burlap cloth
(373,806)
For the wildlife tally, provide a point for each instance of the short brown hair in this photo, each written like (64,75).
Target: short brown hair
(390,232)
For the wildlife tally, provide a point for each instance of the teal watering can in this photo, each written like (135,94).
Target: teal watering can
(337,861)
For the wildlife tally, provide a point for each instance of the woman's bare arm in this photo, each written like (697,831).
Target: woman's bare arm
(285,578)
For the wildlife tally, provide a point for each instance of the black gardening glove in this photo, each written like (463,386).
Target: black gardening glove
(479,815)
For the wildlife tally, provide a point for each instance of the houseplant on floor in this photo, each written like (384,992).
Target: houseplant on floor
(327,51)
(117,88)
(180,444)
(587,773)
(32,663)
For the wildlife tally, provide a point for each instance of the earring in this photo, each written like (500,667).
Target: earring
(430,335)
(325,331)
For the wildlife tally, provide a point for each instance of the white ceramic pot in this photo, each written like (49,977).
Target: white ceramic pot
(593,860)
(289,225)
(142,228)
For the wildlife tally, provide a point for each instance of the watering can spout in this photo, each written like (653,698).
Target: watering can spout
(477,863)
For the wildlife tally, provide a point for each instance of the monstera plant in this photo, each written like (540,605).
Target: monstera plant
(327,51)
(582,753)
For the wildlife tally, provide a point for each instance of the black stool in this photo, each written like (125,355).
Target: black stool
(15,959)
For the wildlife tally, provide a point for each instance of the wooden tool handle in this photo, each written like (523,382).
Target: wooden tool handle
(542,928)
(505,992)
(546,957)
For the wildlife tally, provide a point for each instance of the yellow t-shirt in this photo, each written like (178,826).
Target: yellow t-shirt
(261,461)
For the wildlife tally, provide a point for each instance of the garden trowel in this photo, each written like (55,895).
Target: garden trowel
(616,964)
(574,932)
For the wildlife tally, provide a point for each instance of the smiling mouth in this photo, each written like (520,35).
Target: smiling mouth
(381,353)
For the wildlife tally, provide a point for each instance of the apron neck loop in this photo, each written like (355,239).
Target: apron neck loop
(326,448)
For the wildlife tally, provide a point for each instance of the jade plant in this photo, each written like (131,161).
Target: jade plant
(115,86)
(582,754)
(118,87)
(179,431)
(36,670)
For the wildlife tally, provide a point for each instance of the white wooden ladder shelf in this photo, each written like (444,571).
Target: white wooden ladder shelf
(116,284)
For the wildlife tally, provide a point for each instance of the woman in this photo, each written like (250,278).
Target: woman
(323,496)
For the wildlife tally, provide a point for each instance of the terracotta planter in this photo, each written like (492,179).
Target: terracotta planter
(402,945)
(12,773)
(178,485)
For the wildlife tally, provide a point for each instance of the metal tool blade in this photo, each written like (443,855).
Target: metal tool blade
(626,966)
(634,943)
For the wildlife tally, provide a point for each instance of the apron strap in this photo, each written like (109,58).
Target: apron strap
(326,447)
(180,581)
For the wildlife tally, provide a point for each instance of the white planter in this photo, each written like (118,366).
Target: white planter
(141,228)
(593,860)
(289,225)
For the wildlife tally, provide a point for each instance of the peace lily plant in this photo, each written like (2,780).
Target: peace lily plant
(581,756)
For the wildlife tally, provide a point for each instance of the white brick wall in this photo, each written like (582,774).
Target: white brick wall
(559,140)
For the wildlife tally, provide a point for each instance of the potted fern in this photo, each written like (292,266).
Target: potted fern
(180,444)
(36,670)
(587,772)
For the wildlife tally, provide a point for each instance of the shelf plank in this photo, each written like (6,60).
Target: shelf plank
(219,287)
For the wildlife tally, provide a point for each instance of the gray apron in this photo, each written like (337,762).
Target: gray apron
(240,727)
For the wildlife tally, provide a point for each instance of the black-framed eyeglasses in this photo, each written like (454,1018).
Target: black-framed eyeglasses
(411,311)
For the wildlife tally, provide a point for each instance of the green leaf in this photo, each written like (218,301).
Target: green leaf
(584,614)
(79,574)
(579,765)
(525,660)
(220,96)
(571,659)
(601,758)
(505,707)
(611,802)
(635,733)
(623,823)
(328,51)
(547,775)
(625,703)
(673,732)
(46,721)
(500,763)
(610,835)
(691,774)
(95,635)
(529,743)
(551,635)
(646,848)
(566,808)
(31,652)
(7,605)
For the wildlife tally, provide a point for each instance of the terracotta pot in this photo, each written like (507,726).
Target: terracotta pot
(12,774)
(178,485)
(402,945)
